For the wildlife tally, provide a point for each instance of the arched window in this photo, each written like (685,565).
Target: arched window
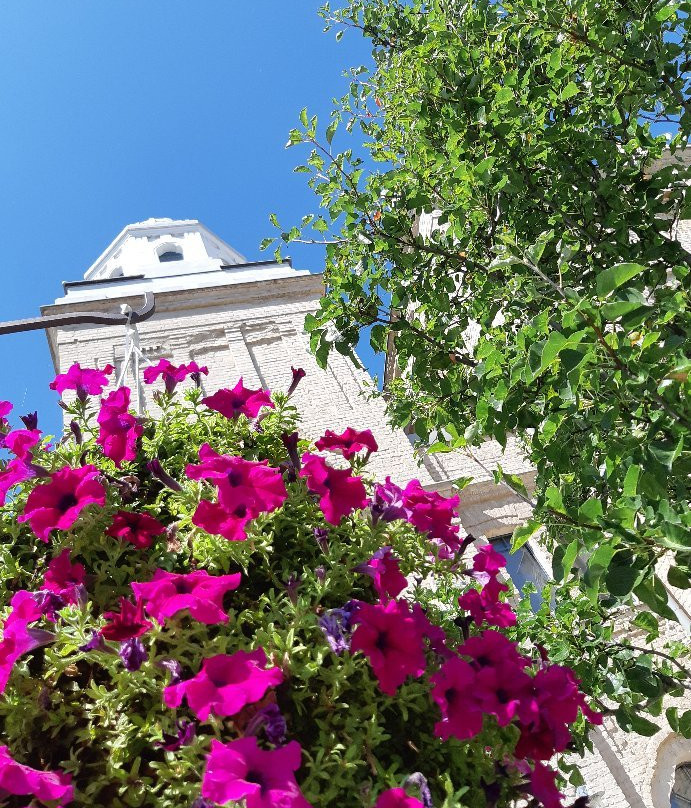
(170,255)
(681,790)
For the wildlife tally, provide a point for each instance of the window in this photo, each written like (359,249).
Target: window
(170,255)
(521,567)
(681,790)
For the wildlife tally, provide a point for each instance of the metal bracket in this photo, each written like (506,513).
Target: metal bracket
(96,317)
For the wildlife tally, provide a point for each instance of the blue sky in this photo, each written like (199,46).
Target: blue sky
(112,112)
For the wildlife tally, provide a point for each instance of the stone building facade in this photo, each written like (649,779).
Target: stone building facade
(245,319)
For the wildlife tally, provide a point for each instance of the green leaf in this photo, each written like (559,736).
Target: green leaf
(685,724)
(553,499)
(631,481)
(303,117)
(523,533)
(679,577)
(503,96)
(653,593)
(628,720)
(648,622)
(610,279)
(462,482)
(569,91)
(331,131)
(570,554)
(622,578)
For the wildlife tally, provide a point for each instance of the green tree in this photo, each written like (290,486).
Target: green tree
(531,134)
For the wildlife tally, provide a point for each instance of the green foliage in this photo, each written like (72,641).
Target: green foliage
(527,134)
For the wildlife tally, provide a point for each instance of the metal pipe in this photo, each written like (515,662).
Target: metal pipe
(82,318)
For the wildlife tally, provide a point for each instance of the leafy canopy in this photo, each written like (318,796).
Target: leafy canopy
(508,221)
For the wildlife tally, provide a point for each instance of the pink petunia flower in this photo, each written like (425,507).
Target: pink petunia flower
(493,649)
(453,692)
(172,374)
(488,560)
(56,505)
(24,781)
(392,640)
(397,798)
(119,429)
(385,572)
(239,401)
(64,578)
(218,520)
(543,786)
(18,637)
(544,718)
(21,441)
(255,484)
(15,472)
(5,408)
(198,592)
(339,491)
(138,529)
(245,489)
(126,624)
(225,684)
(241,770)
(86,381)
(485,606)
(349,442)
(433,514)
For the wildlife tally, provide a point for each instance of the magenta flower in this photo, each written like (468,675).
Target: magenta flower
(172,375)
(138,529)
(87,382)
(245,489)
(241,770)
(24,781)
(21,441)
(543,786)
(493,649)
(119,429)
(255,484)
(126,624)
(390,637)
(397,798)
(433,514)
(544,718)
(15,472)
(500,692)
(239,401)
(225,684)
(5,408)
(453,692)
(18,638)
(384,570)
(198,592)
(339,491)
(349,442)
(219,520)
(56,505)
(485,606)
(64,578)
(488,560)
